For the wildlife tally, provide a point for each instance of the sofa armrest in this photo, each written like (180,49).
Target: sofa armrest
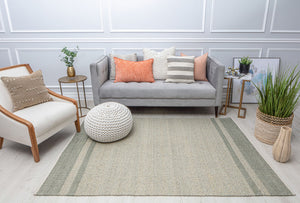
(215,75)
(99,74)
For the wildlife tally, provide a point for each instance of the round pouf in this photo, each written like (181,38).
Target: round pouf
(108,122)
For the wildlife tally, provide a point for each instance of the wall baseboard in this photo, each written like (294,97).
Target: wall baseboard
(72,92)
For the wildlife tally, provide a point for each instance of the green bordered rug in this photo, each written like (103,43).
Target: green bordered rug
(166,156)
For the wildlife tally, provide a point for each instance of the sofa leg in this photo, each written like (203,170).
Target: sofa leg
(77,124)
(1,142)
(216,111)
(35,153)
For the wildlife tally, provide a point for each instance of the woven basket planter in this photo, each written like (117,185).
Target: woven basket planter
(267,127)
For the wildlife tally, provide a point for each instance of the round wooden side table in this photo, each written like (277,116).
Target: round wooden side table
(76,79)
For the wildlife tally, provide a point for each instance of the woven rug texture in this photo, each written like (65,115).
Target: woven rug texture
(165,157)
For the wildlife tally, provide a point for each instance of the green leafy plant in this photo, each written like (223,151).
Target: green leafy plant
(245,60)
(69,56)
(279,98)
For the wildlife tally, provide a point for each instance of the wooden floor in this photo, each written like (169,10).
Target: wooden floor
(21,177)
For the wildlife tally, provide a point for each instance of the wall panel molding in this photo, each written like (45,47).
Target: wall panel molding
(281,49)
(273,21)
(12,30)
(112,30)
(238,30)
(235,49)
(2,28)
(48,48)
(8,54)
(150,40)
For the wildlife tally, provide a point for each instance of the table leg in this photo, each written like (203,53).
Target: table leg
(241,101)
(83,87)
(79,102)
(60,89)
(227,97)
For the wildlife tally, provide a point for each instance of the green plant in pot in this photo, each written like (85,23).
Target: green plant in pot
(68,59)
(277,100)
(245,64)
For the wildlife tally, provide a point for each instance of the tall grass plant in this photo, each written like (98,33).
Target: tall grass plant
(279,98)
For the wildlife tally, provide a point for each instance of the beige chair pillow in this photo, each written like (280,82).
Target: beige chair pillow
(27,90)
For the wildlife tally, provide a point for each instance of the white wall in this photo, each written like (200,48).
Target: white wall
(34,31)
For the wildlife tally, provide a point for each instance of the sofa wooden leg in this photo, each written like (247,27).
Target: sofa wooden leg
(1,142)
(77,124)
(35,153)
(216,111)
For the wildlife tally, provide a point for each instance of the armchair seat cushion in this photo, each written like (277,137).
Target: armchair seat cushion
(158,90)
(47,115)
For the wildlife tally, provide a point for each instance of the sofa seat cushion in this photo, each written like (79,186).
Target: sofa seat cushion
(158,90)
(47,115)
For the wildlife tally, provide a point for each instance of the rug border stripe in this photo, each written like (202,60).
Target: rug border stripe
(238,163)
(81,170)
(275,180)
(76,143)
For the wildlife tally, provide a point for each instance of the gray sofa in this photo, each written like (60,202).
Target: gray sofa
(159,93)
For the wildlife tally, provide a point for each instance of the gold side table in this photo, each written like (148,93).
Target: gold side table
(76,79)
(246,78)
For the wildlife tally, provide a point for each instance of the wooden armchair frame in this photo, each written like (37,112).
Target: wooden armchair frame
(31,130)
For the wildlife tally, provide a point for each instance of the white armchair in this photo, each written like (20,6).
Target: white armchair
(33,125)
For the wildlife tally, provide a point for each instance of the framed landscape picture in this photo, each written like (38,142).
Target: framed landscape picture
(259,69)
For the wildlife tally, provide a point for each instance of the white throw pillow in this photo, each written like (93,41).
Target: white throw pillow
(160,64)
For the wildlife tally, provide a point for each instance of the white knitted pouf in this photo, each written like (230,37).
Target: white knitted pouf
(108,122)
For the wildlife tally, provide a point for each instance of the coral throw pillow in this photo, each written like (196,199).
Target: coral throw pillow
(130,71)
(200,67)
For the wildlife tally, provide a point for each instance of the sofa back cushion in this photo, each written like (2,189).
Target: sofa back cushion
(129,71)
(129,57)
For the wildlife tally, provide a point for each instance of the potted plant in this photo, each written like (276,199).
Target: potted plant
(277,101)
(245,64)
(68,59)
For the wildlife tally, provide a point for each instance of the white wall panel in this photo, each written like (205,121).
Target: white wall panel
(239,15)
(226,54)
(139,51)
(1,23)
(5,57)
(157,16)
(288,57)
(286,16)
(54,15)
(190,51)
(47,59)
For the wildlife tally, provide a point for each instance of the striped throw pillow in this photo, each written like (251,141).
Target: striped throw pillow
(180,69)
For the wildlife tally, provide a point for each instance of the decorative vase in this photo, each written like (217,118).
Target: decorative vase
(71,71)
(244,68)
(282,146)
(267,127)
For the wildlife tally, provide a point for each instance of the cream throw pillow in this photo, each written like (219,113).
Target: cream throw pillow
(27,90)
(160,64)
